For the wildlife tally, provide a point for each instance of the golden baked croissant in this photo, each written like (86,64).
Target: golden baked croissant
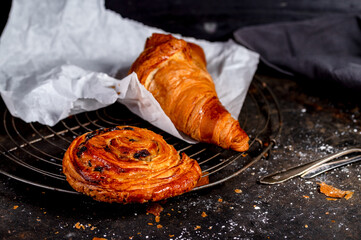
(175,72)
(128,164)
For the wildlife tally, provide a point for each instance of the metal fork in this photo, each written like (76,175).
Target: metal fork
(314,168)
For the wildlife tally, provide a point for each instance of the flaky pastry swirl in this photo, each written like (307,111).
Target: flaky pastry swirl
(128,164)
(175,72)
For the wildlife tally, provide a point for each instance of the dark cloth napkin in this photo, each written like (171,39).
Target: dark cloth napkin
(326,50)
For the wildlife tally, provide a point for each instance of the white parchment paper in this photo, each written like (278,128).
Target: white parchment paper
(58,58)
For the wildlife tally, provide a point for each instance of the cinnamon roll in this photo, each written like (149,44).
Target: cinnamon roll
(128,164)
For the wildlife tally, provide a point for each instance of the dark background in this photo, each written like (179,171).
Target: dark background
(314,121)
(214,19)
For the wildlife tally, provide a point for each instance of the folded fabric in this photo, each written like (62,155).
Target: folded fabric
(327,50)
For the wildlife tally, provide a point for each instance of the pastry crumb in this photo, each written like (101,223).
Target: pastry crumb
(204,214)
(78,225)
(331,199)
(155,209)
(348,195)
(238,190)
(334,193)
(197,227)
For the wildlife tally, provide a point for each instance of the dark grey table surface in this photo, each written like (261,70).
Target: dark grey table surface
(317,122)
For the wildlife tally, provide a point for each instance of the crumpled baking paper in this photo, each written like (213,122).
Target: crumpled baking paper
(59,58)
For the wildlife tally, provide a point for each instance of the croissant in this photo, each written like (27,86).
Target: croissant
(175,72)
(128,164)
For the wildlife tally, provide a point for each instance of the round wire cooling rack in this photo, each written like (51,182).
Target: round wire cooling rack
(32,153)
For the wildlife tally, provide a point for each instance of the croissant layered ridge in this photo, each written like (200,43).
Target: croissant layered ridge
(175,72)
(128,164)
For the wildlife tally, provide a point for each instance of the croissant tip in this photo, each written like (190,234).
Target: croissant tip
(241,146)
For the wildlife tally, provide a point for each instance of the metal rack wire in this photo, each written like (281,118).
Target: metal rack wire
(32,153)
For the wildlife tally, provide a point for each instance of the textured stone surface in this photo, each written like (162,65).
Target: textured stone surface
(316,123)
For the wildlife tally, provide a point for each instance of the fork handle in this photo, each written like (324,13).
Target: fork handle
(282,176)
(329,166)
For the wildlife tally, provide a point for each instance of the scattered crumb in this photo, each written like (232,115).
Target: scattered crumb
(306,226)
(92,228)
(197,227)
(15,207)
(150,224)
(96,238)
(348,195)
(204,214)
(305,196)
(78,225)
(331,199)
(327,213)
(333,192)
(171,235)
(238,190)
(333,221)
(220,200)
(159,226)
(155,209)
